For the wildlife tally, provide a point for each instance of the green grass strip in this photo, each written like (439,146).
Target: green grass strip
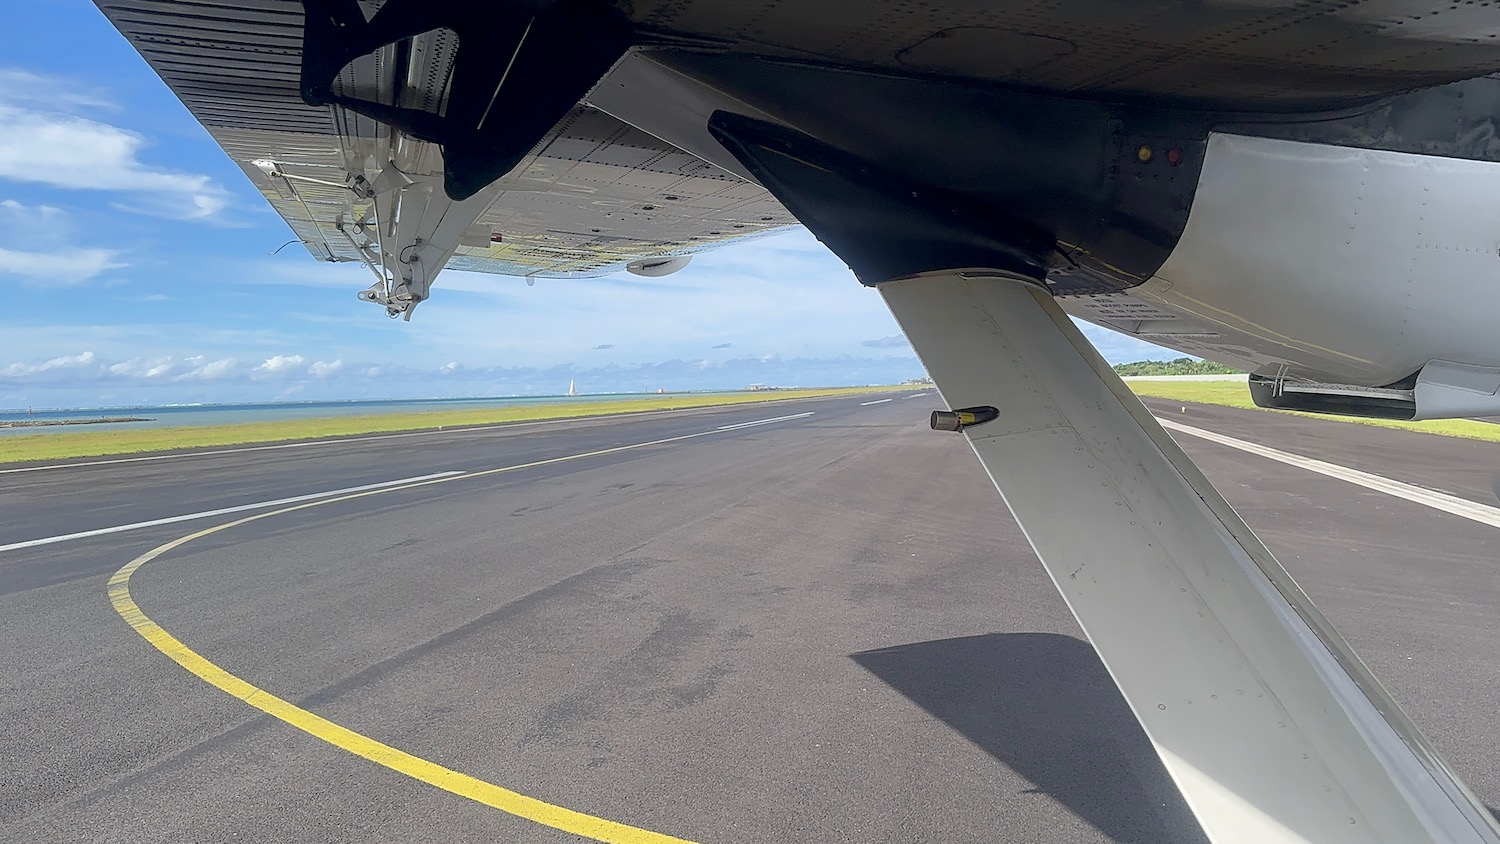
(1236,394)
(44,446)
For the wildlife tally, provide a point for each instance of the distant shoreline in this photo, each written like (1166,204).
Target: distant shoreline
(43,423)
(39,445)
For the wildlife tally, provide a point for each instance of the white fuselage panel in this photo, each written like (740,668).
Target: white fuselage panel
(1346,265)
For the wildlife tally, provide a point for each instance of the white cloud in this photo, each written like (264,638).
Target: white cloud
(29,224)
(279,365)
(64,268)
(203,369)
(325,369)
(37,210)
(156,367)
(772,295)
(46,143)
(24,86)
(33,246)
(52,365)
(87,380)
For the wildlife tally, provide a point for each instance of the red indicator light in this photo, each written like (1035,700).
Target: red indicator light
(1174,156)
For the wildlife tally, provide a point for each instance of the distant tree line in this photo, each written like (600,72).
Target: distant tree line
(1180,366)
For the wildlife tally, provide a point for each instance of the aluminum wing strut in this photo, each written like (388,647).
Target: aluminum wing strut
(1268,723)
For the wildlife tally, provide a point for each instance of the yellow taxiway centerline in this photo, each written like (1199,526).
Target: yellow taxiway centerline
(463,785)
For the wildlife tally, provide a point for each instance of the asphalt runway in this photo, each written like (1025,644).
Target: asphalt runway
(820,628)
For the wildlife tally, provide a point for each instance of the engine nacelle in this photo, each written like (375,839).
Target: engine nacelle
(657,267)
(1440,390)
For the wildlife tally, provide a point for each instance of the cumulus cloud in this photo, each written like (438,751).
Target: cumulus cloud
(156,367)
(280,365)
(723,345)
(82,379)
(64,363)
(895,341)
(325,369)
(47,142)
(168,370)
(602,346)
(202,369)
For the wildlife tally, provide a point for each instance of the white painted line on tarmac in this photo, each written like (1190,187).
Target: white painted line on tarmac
(313,496)
(740,425)
(436,477)
(466,429)
(877,401)
(916,395)
(1472,510)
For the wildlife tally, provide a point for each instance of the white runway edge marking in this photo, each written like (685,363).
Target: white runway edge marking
(1474,511)
(739,425)
(466,429)
(312,496)
(877,401)
(416,481)
(916,395)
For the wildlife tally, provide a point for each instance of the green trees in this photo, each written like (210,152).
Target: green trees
(1180,366)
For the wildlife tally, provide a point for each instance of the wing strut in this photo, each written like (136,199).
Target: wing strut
(1272,728)
(1267,721)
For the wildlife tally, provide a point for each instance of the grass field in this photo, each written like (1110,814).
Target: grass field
(48,446)
(1235,394)
(29,447)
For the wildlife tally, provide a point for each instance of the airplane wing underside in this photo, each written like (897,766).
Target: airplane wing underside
(622,180)
(590,198)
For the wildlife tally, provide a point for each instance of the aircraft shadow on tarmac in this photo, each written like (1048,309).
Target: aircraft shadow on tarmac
(1043,704)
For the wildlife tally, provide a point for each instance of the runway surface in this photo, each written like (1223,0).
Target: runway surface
(820,628)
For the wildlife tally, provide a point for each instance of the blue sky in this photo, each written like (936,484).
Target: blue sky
(138,261)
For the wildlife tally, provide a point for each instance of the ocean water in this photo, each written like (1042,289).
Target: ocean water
(170,416)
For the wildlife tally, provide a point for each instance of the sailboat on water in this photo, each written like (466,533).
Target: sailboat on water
(572,387)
